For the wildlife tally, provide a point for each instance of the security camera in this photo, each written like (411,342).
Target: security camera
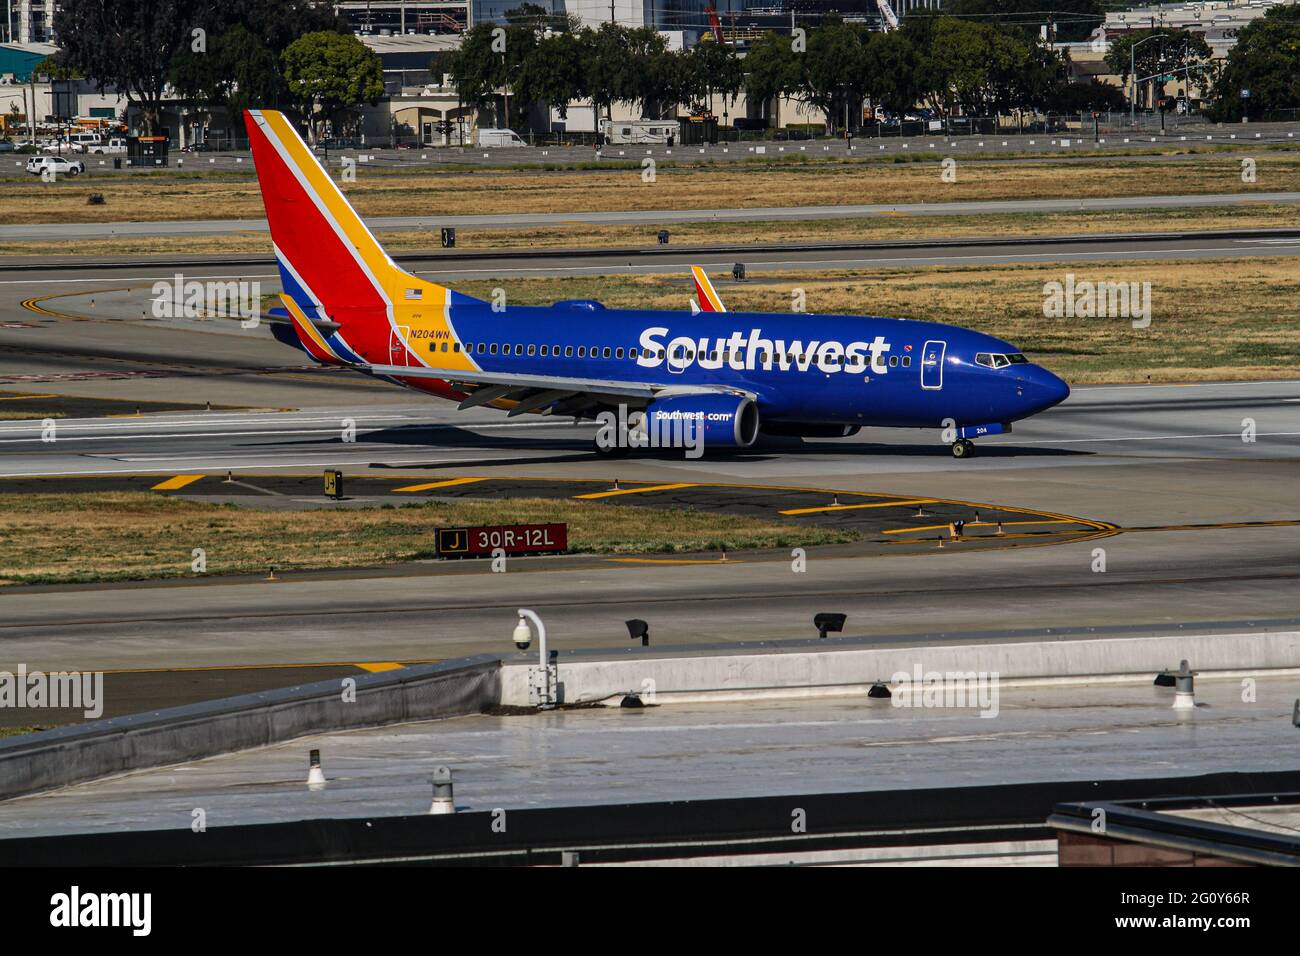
(523,635)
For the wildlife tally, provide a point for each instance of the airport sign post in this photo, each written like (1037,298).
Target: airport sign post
(334,484)
(485,540)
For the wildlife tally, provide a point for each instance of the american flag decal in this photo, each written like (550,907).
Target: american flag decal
(414,295)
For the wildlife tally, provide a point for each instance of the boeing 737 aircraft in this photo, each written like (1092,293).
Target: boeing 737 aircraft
(734,374)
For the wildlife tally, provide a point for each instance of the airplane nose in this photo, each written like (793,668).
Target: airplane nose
(1043,389)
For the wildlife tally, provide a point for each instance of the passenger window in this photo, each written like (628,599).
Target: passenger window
(582,351)
(618,353)
(893,361)
(494,348)
(907,361)
(606,352)
(568,351)
(532,350)
(444,346)
(544,351)
(631,353)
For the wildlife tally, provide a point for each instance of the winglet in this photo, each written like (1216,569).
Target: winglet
(708,298)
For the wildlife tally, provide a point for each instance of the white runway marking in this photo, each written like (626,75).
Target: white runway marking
(1079,441)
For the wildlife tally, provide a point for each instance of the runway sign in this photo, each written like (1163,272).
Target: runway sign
(480,542)
(334,484)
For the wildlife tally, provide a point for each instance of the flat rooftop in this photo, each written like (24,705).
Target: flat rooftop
(698,751)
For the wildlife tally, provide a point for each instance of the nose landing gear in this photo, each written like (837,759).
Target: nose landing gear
(963,448)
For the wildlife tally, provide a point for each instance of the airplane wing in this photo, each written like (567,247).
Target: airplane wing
(708,298)
(544,393)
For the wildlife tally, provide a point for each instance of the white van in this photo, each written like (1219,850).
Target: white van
(84,141)
(499,137)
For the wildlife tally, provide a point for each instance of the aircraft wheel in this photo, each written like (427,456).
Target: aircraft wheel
(963,448)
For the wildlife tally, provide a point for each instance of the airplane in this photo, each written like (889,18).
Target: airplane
(734,375)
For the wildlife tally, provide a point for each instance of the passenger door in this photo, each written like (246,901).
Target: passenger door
(932,364)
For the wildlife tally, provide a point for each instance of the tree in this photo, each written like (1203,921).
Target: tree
(967,65)
(237,72)
(1086,98)
(772,68)
(707,69)
(626,66)
(327,71)
(552,72)
(128,44)
(835,70)
(891,64)
(1266,63)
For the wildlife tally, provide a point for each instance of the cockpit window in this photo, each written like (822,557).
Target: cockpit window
(997,360)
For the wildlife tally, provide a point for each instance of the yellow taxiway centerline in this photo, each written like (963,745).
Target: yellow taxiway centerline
(874,504)
(176,483)
(634,491)
(450,482)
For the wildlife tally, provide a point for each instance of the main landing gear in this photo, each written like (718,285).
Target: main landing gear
(963,448)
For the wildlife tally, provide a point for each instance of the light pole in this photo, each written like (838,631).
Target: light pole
(541,684)
(1132,71)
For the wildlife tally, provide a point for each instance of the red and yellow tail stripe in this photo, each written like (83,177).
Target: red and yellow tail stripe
(708,298)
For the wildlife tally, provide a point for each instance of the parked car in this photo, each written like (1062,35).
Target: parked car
(61,165)
(197,148)
(6,146)
(338,144)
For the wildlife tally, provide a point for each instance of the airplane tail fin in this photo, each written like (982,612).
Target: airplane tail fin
(332,267)
(709,301)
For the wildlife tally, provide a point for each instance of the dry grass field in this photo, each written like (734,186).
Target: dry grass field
(62,538)
(576,235)
(174,196)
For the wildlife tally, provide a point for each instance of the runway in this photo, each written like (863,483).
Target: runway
(1166,463)
(216,227)
(1205,521)
(67,280)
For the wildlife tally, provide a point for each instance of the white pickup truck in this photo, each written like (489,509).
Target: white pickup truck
(104,147)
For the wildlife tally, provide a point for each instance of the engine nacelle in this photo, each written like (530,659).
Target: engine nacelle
(719,421)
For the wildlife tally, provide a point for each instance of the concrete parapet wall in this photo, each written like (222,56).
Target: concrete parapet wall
(823,669)
(56,758)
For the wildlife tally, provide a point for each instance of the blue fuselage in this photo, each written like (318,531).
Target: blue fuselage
(832,369)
